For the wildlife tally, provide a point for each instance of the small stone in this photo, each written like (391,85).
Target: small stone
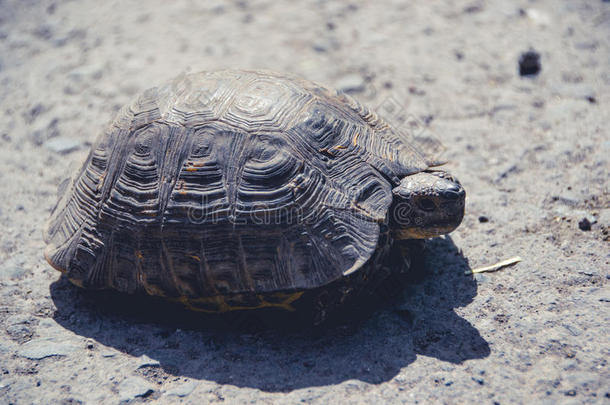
(20,332)
(183,390)
(133,387)
(108,354)
(45,347)
(351,83)
(5,383)
(587,45)
(47,323)
(573,330)
(320,46)
(529,63)
(483,219)
(479,381)
(324,44)
(473,8)
(62,144)
(584,224)
(538,17)
(590,272)
(145,361)
(416,91)
(569,198)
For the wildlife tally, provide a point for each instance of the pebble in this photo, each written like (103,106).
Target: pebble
(183,390)
(568,198)
(133,387)
(573,330)
(584,224)
(145,361)
(37,349)
(47,323)
(588,45)
(18,319)
(5,383)
(108,354)
(590,271)
(529,63)
(19,331)
(538,17)
(322,45)
(62,144)
(351,83)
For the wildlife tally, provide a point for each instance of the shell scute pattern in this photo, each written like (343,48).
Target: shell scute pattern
(229,183)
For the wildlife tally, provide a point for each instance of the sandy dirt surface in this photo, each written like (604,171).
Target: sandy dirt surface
(532,153)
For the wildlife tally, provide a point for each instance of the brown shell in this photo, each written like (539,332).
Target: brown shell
(230,182)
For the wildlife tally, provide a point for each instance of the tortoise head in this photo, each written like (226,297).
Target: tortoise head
(426,205)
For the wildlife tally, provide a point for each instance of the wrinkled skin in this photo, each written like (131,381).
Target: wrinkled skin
(426,205)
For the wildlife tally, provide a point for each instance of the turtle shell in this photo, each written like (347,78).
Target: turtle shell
(230,182)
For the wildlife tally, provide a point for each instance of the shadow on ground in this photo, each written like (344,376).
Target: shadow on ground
(371,343)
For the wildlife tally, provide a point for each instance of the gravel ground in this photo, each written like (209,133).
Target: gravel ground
(532,153)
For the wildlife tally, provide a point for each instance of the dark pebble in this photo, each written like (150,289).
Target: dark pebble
(483,219)
(584,224)
(529,63)
(480,381)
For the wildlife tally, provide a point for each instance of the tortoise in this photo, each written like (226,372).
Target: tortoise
(232,190)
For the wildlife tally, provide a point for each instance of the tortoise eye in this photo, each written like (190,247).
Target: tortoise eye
(426,204)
